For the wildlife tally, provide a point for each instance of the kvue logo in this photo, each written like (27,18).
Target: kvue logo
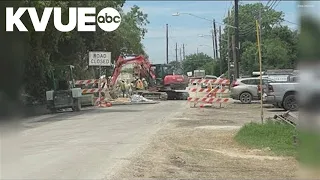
(108,19)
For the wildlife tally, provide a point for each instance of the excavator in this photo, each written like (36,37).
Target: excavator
(167,81)
(162,84)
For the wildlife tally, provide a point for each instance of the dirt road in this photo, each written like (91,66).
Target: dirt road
(198,143)
(91,144)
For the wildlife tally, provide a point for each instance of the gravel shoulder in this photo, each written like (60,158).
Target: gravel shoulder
(198,143)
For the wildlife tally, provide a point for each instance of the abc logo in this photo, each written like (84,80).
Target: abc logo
(109,19)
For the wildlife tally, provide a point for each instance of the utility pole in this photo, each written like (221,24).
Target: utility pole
(229,58)
(197,51)
(260,63)
(234,52)
(213,44)
(177,52)
(260,18)
(167,44)
(236,24)
(220,59)
(215,38)
(184,53)
(180,54)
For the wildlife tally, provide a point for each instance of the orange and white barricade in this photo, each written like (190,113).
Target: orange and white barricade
(101,100)
(211,92)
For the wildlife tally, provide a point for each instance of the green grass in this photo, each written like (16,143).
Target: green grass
(278,137)
(309,149)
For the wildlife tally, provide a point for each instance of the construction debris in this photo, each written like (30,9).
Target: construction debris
(138,98)
(287,117)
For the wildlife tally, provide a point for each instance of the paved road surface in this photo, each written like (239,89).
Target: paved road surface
(91,144)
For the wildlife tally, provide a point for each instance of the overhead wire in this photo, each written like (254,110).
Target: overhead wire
(268,2)
(290,22)
(248,29)
(275,6)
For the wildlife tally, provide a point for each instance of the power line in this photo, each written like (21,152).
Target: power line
(291,22)
(268,2)
(272,5)
(277,4)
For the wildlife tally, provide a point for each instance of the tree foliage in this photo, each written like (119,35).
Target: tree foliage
(53,48)
(175,67)
(278,42)
(200,61)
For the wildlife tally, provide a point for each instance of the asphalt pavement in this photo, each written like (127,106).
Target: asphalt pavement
(91,144)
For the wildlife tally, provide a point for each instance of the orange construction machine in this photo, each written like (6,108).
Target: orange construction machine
(162,84)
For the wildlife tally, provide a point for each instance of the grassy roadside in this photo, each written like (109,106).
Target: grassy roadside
(278,137)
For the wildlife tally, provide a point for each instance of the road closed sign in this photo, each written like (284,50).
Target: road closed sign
(98,58)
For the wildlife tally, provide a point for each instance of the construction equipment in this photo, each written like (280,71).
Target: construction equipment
(172,84)
(162,83)
(142,69)
(64,93)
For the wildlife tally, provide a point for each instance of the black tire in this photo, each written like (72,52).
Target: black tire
(245,98)
(290,103)
(76,105)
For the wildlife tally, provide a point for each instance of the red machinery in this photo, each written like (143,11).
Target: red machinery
(139,60)
(159,79)
(174,85)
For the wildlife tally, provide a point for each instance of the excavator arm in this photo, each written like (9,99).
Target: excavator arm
(140,60)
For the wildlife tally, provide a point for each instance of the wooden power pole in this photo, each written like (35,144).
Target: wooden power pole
(176,51)
(220,59)
(215,38)
(180,52)
(167,44)
(183,52)
(229,57)
(236,24)
(213,44)
(234,52)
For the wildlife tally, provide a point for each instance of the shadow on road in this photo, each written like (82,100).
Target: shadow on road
(67,115)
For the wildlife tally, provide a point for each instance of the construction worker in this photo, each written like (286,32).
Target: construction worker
(130,88)
(139,84)
(123,88)
(145,83)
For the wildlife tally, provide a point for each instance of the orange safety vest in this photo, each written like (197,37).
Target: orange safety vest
(139,84)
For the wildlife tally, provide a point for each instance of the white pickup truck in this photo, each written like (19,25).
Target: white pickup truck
(282,94)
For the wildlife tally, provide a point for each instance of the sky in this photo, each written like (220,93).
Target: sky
(185,29)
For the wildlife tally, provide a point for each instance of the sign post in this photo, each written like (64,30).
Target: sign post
(260,63)
(99,58)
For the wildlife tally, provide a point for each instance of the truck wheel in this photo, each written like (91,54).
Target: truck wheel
(245,98)
(290,103)
(76,105)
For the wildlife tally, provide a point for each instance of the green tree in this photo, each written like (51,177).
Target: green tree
(279,43)
(175,67)
(195,61)
(51,48)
